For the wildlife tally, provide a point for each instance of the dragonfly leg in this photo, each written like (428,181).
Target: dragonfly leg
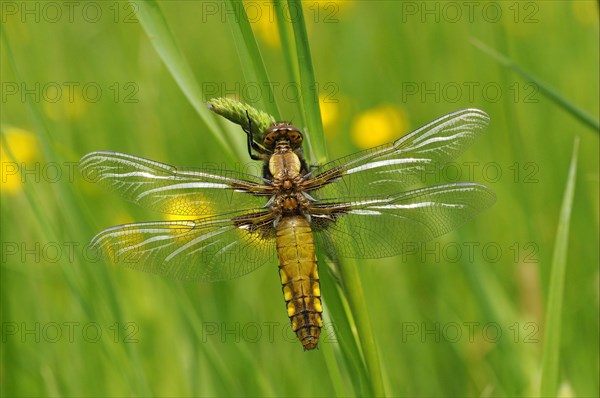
(253,145)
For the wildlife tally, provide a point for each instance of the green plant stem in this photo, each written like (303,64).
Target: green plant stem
(544,88)
(287,45)
(71,225)
(553,323)
(335,374)
(317,151)
(250,56)
(356,299)
(308,90)
(352,359)
(154,24)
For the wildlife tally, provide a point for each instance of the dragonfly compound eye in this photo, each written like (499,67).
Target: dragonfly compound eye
(269,140)
(295,137)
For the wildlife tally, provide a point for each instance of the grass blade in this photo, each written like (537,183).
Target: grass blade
(287,45)
(351,358)
(63,192)
(357,303)
(545,89)
(250,57)
(335,373)
(76,279)
(317,153)
(552,326)
(153,21)
(309,97)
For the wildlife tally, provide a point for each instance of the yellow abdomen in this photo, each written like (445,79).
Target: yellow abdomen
(300,278)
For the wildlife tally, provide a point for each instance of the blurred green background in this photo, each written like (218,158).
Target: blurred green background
(446,321)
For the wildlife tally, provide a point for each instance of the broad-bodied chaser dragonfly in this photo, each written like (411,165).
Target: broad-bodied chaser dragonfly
(364,205)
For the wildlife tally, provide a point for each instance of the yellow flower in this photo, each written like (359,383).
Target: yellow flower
(261,15)
(329,110)
(379,125)
(22,149)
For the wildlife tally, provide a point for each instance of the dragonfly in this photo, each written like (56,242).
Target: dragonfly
(366,205)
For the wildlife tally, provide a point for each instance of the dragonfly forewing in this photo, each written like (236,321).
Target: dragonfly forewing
(402,164)
(171,190)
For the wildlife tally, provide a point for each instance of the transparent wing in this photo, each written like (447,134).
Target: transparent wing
(165,188)
(386,226)
(397,166)
(208,250)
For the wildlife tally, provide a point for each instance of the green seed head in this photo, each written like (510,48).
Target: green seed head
(235,111)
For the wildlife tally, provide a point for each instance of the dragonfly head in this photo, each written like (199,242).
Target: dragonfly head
(282,131)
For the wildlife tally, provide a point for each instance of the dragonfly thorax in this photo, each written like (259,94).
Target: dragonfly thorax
(285,168)
(289,203)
